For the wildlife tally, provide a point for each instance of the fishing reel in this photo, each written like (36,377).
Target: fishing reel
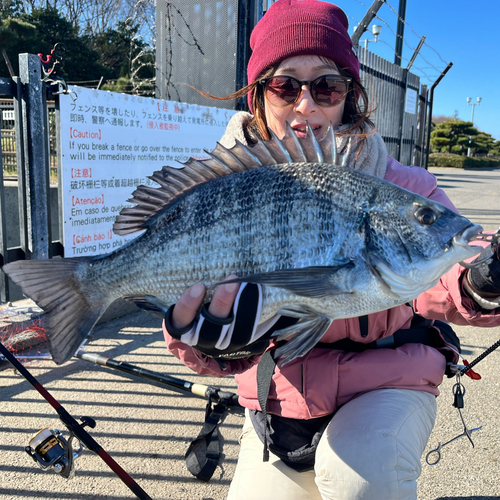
(50,449)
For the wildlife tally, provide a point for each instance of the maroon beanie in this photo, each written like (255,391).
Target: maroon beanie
(301,27)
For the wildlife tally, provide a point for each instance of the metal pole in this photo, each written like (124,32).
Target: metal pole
(363,25)
(419,150)
(36,154)
(400,32)
(415,54)
(4,287)
(403,104)
(243,49)
(402,115)
(429,121)
(470,136)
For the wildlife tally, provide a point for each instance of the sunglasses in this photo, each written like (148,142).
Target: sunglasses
(327,91)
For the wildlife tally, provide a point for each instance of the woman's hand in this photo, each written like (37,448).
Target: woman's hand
(184,312)
(224,330)
(485,279)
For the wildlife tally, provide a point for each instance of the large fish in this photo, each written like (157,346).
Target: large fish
(324,240)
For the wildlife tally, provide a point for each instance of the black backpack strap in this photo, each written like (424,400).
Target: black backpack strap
(265,371)
(204,452)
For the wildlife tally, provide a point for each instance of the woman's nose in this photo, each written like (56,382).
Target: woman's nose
(305,103)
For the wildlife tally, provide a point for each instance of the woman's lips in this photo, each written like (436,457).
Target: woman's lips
(301,130)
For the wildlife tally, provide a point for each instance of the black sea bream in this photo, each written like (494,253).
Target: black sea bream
(325,241)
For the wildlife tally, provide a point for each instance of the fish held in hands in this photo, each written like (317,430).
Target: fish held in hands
(324,240)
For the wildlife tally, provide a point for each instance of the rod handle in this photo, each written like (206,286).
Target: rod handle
(199,390)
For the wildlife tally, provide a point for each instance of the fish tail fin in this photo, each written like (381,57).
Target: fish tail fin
(69,313)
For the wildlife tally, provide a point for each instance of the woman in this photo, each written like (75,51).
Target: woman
(348,423)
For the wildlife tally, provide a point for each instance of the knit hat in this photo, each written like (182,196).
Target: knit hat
(301,27)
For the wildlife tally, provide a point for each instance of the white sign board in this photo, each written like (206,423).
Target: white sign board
(411,101)
(8,115)
(110,143)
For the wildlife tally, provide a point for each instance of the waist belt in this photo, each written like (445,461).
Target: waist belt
(435,334)
(425,335)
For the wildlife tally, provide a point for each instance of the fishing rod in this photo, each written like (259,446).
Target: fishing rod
(204,452)
(179,385)
(50,449)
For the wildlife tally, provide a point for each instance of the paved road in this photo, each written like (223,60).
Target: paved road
(147,428)
(476,193)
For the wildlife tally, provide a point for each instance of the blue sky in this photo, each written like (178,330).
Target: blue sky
(458,31)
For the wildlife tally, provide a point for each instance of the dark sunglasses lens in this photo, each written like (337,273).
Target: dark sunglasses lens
(282,91)
(329,91)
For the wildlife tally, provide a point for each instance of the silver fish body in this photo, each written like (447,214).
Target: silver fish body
(325,241)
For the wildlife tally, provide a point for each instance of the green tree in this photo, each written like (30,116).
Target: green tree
(117,53)
(38,32)
(482,144)
(495,149)
(9,8)
(119,47)
(452,136)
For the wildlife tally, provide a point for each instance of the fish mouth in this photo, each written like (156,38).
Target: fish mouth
(463,239)
(470,234)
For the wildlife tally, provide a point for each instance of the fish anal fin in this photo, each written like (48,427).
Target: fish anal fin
(148,303)
(302,336)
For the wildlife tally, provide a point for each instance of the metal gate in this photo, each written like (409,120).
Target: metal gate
(204,44)
(399,120)
(34,220)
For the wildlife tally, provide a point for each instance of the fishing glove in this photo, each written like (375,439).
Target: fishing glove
(486,277)
(236,337)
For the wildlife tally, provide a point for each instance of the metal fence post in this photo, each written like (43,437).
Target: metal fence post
(35,137)
(420,143)
(4,291)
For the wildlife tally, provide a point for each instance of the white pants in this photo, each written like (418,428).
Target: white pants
(370,450)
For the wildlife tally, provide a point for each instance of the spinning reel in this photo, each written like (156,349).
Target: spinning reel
(50,449)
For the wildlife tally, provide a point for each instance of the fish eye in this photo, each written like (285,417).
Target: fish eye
(425,216)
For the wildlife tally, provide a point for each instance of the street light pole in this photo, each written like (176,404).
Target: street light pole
(473,104)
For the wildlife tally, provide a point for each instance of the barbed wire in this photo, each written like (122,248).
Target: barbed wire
(408,45)
(439,71)
(419,36)
(414,67)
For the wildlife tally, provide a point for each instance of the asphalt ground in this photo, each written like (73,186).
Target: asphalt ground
(147,428)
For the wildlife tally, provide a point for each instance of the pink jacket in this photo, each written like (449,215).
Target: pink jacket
(318,383)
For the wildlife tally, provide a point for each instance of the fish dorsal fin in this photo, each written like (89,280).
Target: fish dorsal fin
(222,161)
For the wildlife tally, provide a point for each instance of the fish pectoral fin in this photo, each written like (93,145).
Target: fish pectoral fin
(315,281)
(149,303)
(303,335)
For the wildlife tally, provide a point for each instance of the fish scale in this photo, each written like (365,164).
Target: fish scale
(324,241)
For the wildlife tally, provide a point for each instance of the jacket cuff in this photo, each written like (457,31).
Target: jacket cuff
(488,304)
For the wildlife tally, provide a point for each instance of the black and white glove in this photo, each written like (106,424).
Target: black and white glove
(236,337)
(486,277)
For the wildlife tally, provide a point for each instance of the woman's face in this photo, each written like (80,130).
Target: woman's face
(304,68)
